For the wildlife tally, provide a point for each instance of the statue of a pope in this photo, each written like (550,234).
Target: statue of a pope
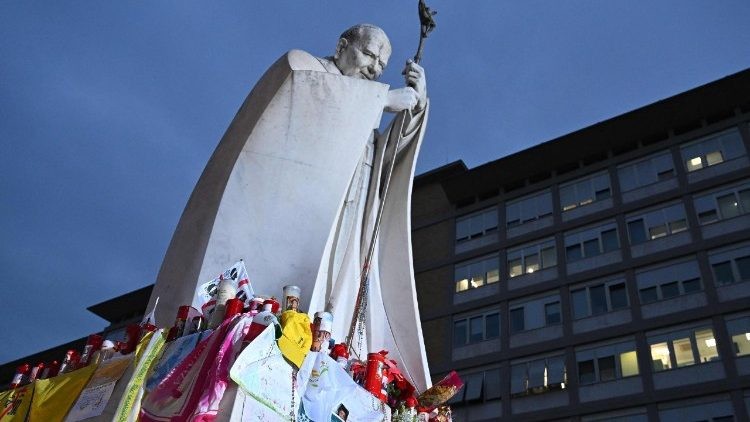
(294,187)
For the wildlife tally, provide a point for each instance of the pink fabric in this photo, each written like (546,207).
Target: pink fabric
(192,390)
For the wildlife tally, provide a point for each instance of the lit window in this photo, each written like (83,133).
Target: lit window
(607,363)
(530,259)
(538,376)
(694,164)
(739,329)
(660,356)
(690,347)
(476,274)
(712,150)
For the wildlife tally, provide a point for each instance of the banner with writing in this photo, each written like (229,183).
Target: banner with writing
(96,394)
(130,403)
(14,404)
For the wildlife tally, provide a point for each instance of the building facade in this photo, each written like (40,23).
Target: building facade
(600,276)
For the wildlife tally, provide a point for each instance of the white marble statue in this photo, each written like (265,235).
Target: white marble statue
(294,186)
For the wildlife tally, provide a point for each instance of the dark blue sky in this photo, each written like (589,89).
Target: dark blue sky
(110,109)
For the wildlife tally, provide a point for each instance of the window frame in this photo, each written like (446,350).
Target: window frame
(579,188)
(519,253)
(614,350)
(689,149)
(485,229)
(468,281)
(686,270)
(523,203)
(467,321)
(652,176)
(525,369)
(540,302)
(731,255)
(607,285)
(680,334)
(707,204)
(584,239)
(662,214)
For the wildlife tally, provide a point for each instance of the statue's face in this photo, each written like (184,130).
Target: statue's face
(364,58)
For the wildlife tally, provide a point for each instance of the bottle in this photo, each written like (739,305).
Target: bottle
(261,321)
(340,354)
(291,296)
(224,292)
(36,372)
(233,307)
(70,363)
(51,370)
(21,376)
(93,344)
(178,329)
(321,331)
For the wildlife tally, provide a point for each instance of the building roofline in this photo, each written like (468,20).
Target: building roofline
(113,310)
(659,120)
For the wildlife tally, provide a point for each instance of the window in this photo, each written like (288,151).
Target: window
(607,363)
(723,205)
(538,376)
(739,329)
(591,242)
(683,348)
(585,191)
(657,223)
(531,258)
(528,208)
(674,279)
(599,298)
(476,225)
(476,329)
(731,266)
(477,273)
(552,313)
(712,150)
(477,387)
(646,171)
(536,313)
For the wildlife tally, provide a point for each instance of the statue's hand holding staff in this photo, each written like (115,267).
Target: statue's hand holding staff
(414,95)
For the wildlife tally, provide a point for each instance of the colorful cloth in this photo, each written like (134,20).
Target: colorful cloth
(15,403)
(267,379)
(54,396)
(94,397)
(193,390)
(328,389)
(174,353)
(149,350)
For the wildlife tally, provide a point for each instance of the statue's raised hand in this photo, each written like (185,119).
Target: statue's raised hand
(414,76)
(414,96)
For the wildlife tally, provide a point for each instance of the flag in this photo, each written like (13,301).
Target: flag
(14,404)
(54,396)
(206,292)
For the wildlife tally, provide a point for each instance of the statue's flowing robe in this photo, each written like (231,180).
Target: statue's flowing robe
(293,188)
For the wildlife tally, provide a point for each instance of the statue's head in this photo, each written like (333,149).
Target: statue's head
(363,52)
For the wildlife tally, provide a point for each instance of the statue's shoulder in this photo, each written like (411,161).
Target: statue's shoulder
(302,60)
